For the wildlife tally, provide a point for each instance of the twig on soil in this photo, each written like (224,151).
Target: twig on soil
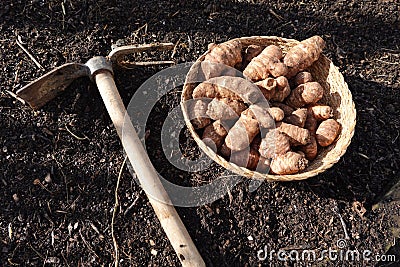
(336,210)
(387,62)
(116,259)
(132,205)
(64,176)
(75,136)
(175,46)
(40,255)
(275,15)
(29,54)
(87,244)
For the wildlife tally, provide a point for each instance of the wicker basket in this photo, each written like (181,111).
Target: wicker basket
(336,94)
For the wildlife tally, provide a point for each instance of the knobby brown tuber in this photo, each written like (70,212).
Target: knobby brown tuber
(228,53)
(298,135)
(274,143)
(225,109)
(242,132)
(214,135)
(327,132)
(298,117)
(197,109)
(303,55)
(288,163)
(304,94)
(265,64)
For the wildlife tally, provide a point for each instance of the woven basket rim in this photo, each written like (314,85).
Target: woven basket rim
(335,151)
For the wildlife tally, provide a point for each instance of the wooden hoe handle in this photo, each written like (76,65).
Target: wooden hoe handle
(147,175)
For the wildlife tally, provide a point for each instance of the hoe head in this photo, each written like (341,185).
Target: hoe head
(45,88)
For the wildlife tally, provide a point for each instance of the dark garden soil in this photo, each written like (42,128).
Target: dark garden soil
(57,190)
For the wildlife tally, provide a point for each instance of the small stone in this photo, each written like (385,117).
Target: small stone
(48,178)
(250,238)
(154,252)
(152,243)
(15,197)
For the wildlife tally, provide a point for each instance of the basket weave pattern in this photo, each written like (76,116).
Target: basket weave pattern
(336,94)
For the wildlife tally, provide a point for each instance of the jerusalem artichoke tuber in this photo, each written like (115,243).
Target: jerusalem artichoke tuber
(304,94)
(225,109)
(247,158)
(311,149)
(303,55)
(228,53)
(197,109)
(311,122)
(248,54)
(321,112)
(260,112)
(298,117)
(242,132)
(288,163)
(266,63)
(267,87)
(303,77)
(274,143)
(214,135)
(276,113)
(297,135)
(282,89)
(286,109)
(225,151)
(327,132)
(235,88)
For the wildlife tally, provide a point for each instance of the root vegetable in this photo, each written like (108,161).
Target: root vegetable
(251,52)
(214,135)
(288,163)
(266,63)
(274,143)
(225,151)
(298,117)
(282,89)
(286,109)
(276,113)
(303,77)
(267,87)
(247,158)
(255,144)
(327,132)
(304,94)
(303,55)
(311,122)
(321,112)
(242,132)
(225,109)
(235,88)
(311,149)
(228,53)
(205,70)
(248,54)
(197,109)
(298,136)
(263,165)
(260,112)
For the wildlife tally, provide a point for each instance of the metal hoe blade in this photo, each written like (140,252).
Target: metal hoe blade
(44,89)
